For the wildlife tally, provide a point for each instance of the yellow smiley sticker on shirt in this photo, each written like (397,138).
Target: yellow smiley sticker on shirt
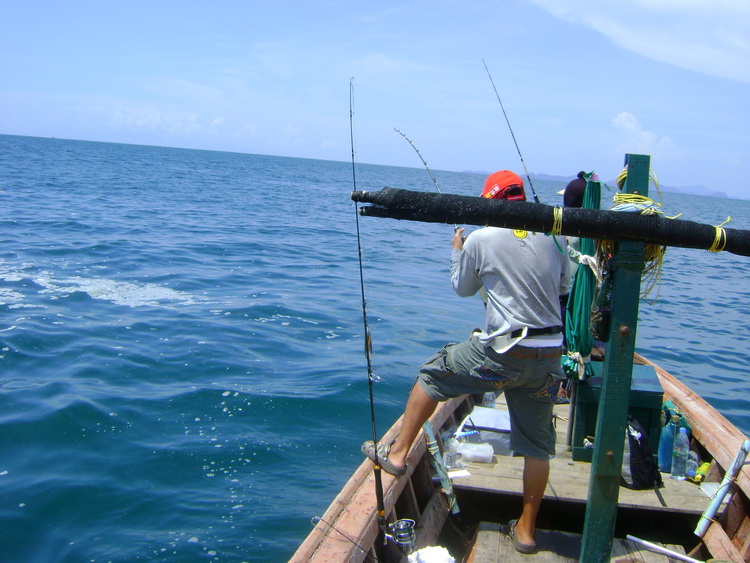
(520,234)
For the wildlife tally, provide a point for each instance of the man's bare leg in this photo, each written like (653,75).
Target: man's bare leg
(535,477)
(419,408)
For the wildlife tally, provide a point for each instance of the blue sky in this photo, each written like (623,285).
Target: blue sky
(582,81)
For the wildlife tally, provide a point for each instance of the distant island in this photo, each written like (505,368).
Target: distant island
(689,190)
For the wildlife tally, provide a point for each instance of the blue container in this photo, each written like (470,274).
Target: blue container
(666,439)
(666,444)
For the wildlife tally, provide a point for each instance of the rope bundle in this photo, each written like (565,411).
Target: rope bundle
(653,253)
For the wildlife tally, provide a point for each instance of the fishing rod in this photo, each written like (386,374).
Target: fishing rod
(368,337)
(533,191)
(434,180)
(402,533)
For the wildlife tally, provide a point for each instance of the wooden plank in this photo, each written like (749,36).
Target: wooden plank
(353,512)
(734,516)
(407,505)
(745,550)
(486,548)
(569,480)
(493,544)
(431,207)
(358,518)
(432,521)
(720,545)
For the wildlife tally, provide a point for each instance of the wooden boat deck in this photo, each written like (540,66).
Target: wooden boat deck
(491,496)
(569,480)
(493,545)
(568,484)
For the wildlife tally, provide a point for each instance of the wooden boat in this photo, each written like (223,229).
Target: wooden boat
(491,496)
(680,521)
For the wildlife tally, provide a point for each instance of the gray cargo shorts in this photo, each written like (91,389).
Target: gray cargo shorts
(529,377)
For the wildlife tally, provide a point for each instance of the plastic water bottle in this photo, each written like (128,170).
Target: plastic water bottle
(451,454)
(666,444)
(488,400)
(680,455)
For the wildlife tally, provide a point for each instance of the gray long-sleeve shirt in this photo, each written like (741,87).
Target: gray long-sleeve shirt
(524,274)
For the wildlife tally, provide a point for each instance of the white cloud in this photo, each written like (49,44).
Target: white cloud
(179,89)
(172,124)
(707,37)
(636,140)
(216,125)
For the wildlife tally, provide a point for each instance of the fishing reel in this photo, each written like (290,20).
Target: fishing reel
(402,533)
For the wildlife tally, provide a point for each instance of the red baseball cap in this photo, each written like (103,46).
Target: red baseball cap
(504,184)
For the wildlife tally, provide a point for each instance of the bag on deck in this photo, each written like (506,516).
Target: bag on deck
(638,468)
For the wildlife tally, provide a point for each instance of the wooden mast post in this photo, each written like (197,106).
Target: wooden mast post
(606,464)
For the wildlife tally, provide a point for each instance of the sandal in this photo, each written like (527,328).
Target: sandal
(519,546)
(368,448)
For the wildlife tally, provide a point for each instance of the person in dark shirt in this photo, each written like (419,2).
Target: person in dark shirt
(573,196)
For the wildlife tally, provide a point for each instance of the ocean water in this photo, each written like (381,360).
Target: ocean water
(182,375)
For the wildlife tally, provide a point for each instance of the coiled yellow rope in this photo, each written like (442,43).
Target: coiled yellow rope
(653,253)
(644,205)
(557,217)
(720,240)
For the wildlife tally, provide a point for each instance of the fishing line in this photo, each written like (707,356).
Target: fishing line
(317,519)
(533,191)
(434,180)
(368,338)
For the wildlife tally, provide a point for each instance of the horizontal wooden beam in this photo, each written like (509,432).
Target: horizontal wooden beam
(588,223)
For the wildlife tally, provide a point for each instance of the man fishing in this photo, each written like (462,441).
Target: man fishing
(518,351)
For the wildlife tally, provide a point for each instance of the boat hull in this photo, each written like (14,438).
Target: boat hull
(492,495)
